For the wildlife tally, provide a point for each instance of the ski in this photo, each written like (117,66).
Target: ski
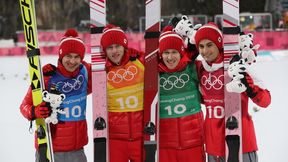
(99,94)
(233,122)
(37,84)
(151,119)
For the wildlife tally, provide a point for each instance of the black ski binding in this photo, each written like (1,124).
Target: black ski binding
(150,128)
(41,132)
(232,123)
(100,123)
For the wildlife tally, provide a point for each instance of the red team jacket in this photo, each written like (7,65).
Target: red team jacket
(66,136)
(125,125)
(212,89)
(187,131)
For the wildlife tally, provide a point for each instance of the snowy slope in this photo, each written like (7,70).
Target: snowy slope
(16,143)
(271,124)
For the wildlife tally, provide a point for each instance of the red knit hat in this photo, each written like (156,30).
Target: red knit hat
(212,32)
(113,35)
(170,40)
(71,43)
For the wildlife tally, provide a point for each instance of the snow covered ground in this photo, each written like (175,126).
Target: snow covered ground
(16,143)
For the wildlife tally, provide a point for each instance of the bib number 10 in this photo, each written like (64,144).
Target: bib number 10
(74,112)
(178,109)
(216,112)
(129,102)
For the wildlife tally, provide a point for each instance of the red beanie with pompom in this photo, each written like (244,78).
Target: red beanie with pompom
(170,40)
(209,31)
(113,35)
(71,43)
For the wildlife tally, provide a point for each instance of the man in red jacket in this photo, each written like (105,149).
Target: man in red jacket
(181,134)
(125,88)
(209,42)
(72,77)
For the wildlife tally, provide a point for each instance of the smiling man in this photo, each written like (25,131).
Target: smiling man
(71,77)
(125,88)
(209,41)
(181,136)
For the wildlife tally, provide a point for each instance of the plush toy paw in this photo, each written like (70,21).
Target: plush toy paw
(183,27)
(236,69)
(186,29)
(235,86)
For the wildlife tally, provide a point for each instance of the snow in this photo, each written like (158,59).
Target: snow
(17,144)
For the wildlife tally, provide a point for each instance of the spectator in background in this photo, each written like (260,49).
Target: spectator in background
(283,23)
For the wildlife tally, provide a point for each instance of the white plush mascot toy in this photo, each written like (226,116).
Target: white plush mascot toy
(239,64)
(55,99)
(235,71)
(247,48)
(186,30)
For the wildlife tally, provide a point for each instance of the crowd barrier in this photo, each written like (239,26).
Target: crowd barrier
(48,42)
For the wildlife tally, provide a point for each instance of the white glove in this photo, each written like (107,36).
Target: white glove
(235,86)
(236,69)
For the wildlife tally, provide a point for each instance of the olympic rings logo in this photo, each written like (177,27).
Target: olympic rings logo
(75,84)
(212,81)
(122,74)
(174,81)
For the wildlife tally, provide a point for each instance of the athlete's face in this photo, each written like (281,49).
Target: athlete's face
(208,50)
(71,61)
(115,53)
(171,58)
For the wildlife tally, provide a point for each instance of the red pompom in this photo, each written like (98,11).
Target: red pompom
(109,26)
(71,33)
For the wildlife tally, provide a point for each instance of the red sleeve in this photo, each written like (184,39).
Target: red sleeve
(198,69)
(26,105)
(27,102)
(192,55)
(141,57)
(262,98)
(133,53)
(89,71)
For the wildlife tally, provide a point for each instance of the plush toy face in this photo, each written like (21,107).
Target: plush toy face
(247,49)
(54,99)
(183,26)
(246,41)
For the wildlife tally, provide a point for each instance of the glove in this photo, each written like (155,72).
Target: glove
(43,110)
(249,83)
(49,70)
(236,69)
(235,86)
(133,53)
